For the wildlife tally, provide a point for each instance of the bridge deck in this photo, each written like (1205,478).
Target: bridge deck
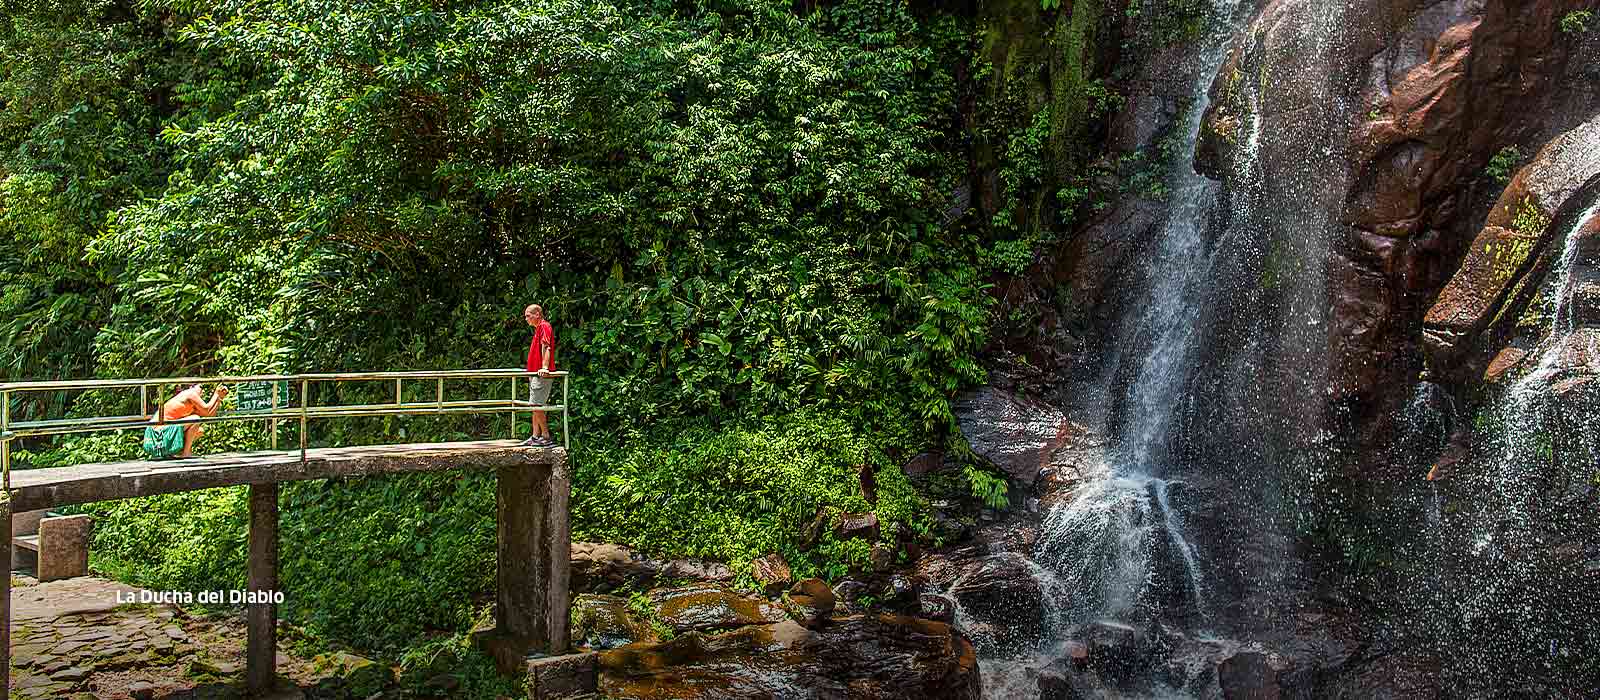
(33,489)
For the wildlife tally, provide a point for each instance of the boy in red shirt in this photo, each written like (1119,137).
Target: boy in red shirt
(541,359)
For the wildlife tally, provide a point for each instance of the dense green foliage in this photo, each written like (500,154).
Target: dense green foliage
(733,213)
(1576,22)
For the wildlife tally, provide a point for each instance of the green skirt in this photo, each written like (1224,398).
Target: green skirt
(163,441)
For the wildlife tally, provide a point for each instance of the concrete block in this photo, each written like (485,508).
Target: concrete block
(27,523)
(565,676)
(64,546)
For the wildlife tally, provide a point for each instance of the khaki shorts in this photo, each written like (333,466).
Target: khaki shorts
(539,389)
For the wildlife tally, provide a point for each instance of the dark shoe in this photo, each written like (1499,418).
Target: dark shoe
(530,442)
(544,442)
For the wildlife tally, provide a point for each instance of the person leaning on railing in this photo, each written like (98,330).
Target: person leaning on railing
(179,423)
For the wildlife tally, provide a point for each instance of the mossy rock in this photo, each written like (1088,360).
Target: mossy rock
(604,622)
(361,677)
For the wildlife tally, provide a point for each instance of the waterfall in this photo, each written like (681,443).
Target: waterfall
(1232,324)
(1535,495)
(1111,541)
(1104,549)
(1522,414)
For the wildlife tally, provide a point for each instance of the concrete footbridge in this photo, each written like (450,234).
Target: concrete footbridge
(532,492)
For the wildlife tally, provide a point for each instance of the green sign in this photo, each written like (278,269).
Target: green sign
(256,397)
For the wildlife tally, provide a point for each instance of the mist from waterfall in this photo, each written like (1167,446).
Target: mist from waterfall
(1534,483)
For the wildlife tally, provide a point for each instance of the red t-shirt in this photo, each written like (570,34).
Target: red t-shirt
(543,335)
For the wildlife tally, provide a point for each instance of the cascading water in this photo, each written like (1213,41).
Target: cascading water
(1524,407)
(1235,291)
(1525,609)
(1105,546)
(1102,549)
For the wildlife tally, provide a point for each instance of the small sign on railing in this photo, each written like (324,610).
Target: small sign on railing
(256,397)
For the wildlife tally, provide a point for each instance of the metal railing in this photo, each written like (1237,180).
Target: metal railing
(300,410)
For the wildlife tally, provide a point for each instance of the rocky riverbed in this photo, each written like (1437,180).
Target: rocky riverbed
(706,640)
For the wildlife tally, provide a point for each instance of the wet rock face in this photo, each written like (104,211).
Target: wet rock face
(1521,242)
(877,656)
(1414,99)
(1001,603)
(1112,660)
(1017,434)
(1586,275)
(1456,85)
(935,607)
(1248,676)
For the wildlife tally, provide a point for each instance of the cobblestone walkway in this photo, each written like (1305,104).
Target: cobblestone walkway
(73,639)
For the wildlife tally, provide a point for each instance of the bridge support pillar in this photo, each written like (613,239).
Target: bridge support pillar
(261,646)
(532,599)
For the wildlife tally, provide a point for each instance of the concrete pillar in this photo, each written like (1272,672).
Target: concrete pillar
(5,599)
(520,581)
(261,616)
(558,557)
(533,568)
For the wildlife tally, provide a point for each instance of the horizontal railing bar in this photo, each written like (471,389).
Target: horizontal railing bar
(425,374)
(413,408)
(281,412)
(54,422)
(420,409)
(379,410)
(58,385)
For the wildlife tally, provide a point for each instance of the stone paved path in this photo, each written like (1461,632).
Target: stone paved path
(73,639)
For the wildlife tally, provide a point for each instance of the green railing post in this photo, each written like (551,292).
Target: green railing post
(513,406)
(5,440)
(566,409)
(304,398)
(274,422)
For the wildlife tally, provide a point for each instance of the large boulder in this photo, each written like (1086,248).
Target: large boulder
(1017,434)
(864,656)
(1247,675)
(811,602)
(1000,603)
(1520,244)
(772,573)
(856,526)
